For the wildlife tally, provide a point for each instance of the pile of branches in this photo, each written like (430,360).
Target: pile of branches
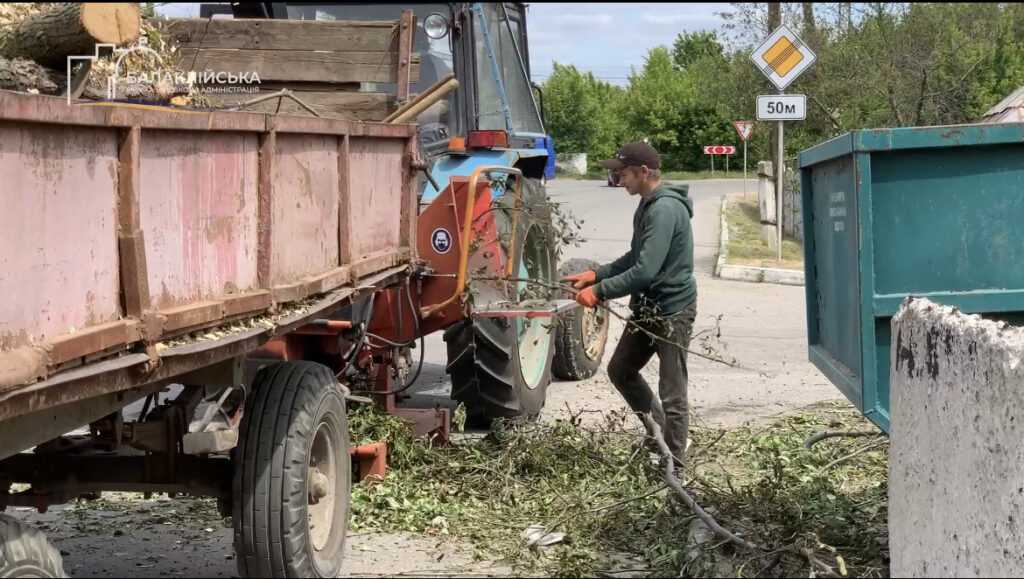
(752,502)
(37,39)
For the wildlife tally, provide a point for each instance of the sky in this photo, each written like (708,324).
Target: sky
(602,38)
(607,38)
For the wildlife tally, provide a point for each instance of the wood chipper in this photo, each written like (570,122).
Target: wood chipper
(476,113)
(192,296)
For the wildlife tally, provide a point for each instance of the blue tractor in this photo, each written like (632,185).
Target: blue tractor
(499,367)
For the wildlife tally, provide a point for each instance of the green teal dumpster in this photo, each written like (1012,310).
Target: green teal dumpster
(934,212)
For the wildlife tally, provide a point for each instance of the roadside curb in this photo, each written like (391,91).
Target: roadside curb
(746,272)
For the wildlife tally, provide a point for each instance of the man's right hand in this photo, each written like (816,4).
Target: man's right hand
(582,280)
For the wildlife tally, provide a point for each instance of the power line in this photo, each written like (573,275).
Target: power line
(595,76)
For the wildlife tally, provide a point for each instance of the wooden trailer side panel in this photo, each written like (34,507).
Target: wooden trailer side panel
(58,218)
(375,183)
(198,213)
(304,198)
(122,228)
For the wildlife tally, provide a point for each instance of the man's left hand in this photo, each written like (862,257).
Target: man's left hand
(587,298)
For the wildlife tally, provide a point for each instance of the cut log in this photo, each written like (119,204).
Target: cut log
(147,92)
(72,30)
(23,75)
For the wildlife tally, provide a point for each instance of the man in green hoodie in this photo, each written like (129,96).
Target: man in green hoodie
(657,274)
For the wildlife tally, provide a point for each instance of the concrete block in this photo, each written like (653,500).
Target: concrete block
(571,163)
(956,470)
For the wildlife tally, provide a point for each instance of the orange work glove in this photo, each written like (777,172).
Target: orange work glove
(582,280)
(587,298)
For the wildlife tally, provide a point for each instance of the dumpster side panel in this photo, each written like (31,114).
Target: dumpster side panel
(59,265)
(833,245)
(948,220)
(197,209)
(305,207)
(376,178)
(939,213)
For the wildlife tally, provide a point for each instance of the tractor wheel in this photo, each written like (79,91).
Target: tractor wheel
(581,334)
(25,552)
(501,367)
(293,478)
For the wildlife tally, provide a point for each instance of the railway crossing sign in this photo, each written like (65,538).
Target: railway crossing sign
(745,129)
(783,57)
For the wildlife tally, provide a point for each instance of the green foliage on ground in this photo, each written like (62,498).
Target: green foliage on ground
(593,484)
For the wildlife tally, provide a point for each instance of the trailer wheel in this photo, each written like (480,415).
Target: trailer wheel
(501,367)
(25,552)
(292,479)
(581,334)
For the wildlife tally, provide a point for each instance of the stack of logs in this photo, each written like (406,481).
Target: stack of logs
(37,39)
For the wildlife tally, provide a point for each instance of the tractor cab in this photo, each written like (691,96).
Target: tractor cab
(493,118)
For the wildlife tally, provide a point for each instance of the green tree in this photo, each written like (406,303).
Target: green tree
(693,46)
(582,113)
(879,65)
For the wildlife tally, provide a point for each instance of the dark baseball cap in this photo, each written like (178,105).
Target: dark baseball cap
(634,155)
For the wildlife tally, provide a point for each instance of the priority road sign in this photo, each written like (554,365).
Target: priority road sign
(719,150)
(782,57)
(745,129)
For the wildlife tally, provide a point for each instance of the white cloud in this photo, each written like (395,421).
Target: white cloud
(576,19)
(663,19)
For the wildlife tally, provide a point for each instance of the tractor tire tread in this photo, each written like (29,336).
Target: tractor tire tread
(24,548)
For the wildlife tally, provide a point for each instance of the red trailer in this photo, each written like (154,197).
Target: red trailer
(147,248)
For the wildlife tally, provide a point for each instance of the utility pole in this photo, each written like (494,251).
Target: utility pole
(774,21)
(775,144)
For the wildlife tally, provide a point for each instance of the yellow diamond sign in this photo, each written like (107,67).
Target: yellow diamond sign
(782,57)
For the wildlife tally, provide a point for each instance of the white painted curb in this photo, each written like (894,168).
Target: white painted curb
(748,272)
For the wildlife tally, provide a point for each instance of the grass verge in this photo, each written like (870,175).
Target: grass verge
(745,244)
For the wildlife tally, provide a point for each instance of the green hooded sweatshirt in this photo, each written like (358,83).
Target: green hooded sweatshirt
(657,272)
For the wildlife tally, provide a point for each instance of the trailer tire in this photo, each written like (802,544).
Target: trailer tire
(581,333)
(294,422)
(485,355)
(25,552)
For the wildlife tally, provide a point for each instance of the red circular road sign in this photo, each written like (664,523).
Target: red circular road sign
(719,150)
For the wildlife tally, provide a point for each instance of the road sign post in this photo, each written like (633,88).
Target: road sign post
(780,179)
(719,150)
(745,129)
(782,57)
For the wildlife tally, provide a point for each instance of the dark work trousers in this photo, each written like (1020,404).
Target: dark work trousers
(635,350)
